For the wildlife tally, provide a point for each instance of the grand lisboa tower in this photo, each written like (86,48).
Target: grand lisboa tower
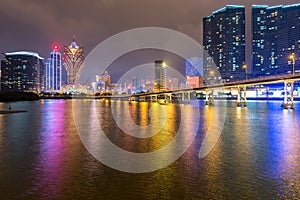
(73,61)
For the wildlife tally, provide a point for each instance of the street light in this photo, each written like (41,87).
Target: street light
(245,67)
(212,75)
(292,57)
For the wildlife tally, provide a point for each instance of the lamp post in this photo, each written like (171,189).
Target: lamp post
(292,57)
(245,67)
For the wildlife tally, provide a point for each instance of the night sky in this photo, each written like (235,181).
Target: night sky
(36,24)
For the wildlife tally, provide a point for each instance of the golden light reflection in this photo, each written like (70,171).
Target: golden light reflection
(143,116)
(169,123)
(213,168)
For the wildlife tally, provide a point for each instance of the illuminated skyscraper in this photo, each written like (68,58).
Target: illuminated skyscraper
(159,76)
(53,72)
(73,61)
(275,33)
(103,81)
(22,71)
(224,40)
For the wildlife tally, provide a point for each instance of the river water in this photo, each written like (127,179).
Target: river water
(257,155)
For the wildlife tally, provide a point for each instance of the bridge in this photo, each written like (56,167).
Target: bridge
(241,86)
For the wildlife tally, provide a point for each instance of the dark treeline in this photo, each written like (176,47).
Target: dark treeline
(18,96)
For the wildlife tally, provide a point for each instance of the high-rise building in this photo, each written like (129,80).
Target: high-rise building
(159,76)
(103,81)
(22,71)
(137,84)
(224,41)
(194,72)
(172,83)
(194,81)
(73,61)
(275,33)
(54,70)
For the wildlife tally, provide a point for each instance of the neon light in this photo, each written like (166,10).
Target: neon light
(227,7)
(26,53)
(55,47)
(273,7)
(292,5)
(260,6)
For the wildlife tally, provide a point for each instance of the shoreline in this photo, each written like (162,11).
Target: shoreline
(2,112)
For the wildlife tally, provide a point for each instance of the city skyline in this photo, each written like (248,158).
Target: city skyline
(216,35)
(150,100)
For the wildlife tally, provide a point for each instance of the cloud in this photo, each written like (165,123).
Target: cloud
(37,23)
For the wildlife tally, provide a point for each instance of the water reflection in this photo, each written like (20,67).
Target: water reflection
(48,170)
(257,156)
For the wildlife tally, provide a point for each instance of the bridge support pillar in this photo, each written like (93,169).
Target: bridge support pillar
(206,97)
(245,96)
(187,97)
(209,97)
(169,97)
(212,98)
(238,97)
(153,98)
(242,100)
(142,98)
(289,94)
(182,97)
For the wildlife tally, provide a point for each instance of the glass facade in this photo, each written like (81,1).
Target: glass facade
(276,36)
(22,71)
(53,72)
(159,76)
(224,41)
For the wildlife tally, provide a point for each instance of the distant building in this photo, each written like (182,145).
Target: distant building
(73,61)
(182,85)
(105,77)
(137,84)
(22,71)
(224,41)
(149,85)
(159,76)
(115,88)
(100,86)
(172,83)
(53,70)
(103,81)
(275,33)
(194,81)
(194,72)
